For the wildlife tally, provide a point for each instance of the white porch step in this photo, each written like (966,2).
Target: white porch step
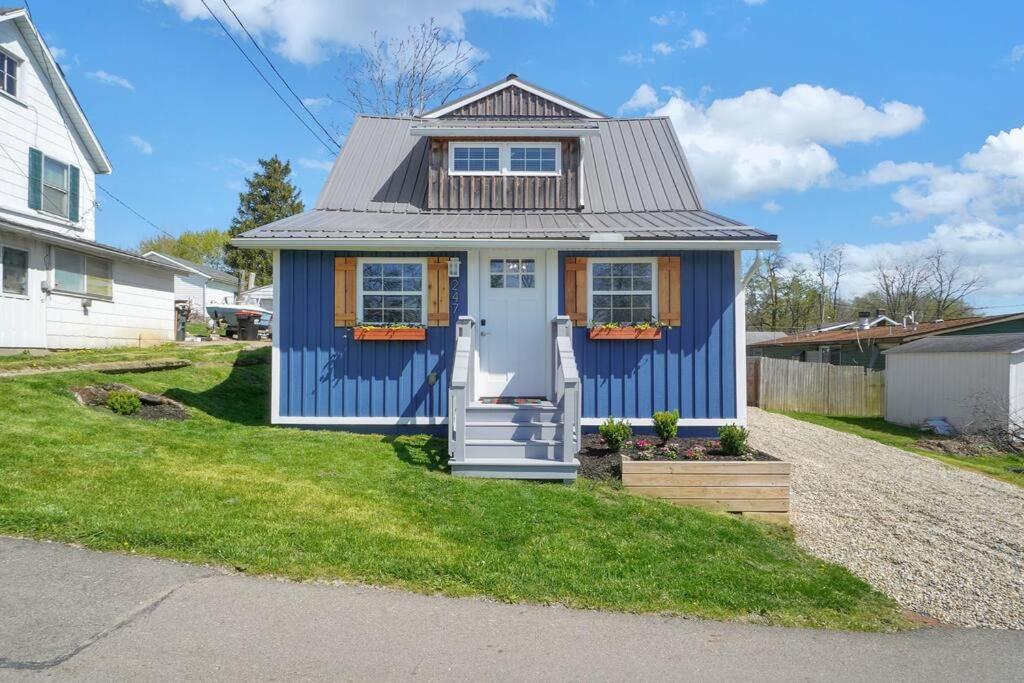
(489,412)
(515,468)
(514,431)
(533,449)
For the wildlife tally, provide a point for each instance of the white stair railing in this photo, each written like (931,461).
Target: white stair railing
(460,389)
(567,389)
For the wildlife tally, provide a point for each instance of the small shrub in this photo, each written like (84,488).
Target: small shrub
(615,432)
(123,402)
(666,424)
(733,439)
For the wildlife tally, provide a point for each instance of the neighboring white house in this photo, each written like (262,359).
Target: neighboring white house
(261,296)
(199,285)
(974,381)
(60,288)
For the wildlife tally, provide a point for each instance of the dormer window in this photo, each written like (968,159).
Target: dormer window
(8,74)
(505,158)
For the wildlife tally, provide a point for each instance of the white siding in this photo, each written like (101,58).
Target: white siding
(23,318)
(140,314)
(962,387)
(1017,388)
(219,293)
(190,288)
(36,120)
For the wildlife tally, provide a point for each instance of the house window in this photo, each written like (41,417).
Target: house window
(513,273)
(8,74)
(391,291)
(468,159)
(14,271)
(506,158)
(623,291)
(77,273)
(55,187)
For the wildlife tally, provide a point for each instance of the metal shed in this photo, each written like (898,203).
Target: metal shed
(972,381)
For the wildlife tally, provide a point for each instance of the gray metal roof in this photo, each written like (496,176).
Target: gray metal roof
(965,343)
(212,273)
(636,182)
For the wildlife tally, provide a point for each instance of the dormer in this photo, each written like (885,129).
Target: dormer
(510,145)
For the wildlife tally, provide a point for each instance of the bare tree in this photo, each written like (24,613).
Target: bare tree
(828,271)
(950,284)
(902,284)
(838,264)
(405,76)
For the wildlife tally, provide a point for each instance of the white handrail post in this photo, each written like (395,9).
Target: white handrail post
(567,388)
(460,391)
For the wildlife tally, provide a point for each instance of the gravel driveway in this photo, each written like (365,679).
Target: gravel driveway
(942,541)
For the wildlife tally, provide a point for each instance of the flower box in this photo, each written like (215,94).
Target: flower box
(758,489)
(625,333)
(390,333)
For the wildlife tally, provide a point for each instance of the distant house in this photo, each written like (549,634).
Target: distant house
(864,342)
(261,296)
(199,285)
(515,266)
(973,382)
(60,287)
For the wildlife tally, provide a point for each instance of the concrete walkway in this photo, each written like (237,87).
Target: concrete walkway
(70,613)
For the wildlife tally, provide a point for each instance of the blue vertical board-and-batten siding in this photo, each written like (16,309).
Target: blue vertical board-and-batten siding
(692,368)
(325,372)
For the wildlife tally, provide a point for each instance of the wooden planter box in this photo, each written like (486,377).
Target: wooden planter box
(625,333)
(390,334)
(752,488)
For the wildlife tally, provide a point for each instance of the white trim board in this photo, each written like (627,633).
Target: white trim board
(275,344)
(355,421)
(508,83)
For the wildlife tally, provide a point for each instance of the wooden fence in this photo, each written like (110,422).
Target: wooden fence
(777,384)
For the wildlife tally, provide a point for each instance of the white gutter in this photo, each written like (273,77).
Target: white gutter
(419,244)
(503,132)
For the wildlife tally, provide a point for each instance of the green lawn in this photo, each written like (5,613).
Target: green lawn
(998,465)
(118,353)
(225,488)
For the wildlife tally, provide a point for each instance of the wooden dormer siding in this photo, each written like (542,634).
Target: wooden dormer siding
(512,101)
(497,192)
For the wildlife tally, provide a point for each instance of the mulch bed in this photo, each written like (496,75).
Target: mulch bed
(598,461)
(154,407)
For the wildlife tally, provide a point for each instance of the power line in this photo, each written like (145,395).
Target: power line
(267,81)
(139,215)
(274,68)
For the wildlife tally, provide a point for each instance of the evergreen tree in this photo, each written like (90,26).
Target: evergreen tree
(269,196)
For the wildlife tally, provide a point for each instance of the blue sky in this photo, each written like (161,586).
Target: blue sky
(786,109)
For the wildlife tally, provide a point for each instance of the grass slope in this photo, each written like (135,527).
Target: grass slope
(999,466)
(227,489)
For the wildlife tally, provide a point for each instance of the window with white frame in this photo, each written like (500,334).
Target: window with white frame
(623,291)
(55,187)
(513,273)
(8,74)
(391,291)
(505,158)
(14,271)
(76,273)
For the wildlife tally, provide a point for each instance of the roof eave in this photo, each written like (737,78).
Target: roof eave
(414,243)
(95,248)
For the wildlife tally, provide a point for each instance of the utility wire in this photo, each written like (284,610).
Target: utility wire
(283,79)
(139,215)
(266,80)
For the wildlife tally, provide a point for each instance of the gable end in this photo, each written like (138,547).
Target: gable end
(510,102)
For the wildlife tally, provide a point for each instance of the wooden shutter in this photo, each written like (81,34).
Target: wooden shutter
(437,292)
(73,200)
(344,291)
(576,289)
(669,290)
(35,179)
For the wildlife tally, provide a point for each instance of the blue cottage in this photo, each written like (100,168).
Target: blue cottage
(511,268)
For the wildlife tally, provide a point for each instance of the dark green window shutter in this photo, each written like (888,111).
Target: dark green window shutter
(73,194)
(35,179)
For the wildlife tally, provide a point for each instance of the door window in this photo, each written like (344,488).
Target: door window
(513,273)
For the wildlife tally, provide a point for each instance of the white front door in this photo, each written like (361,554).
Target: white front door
(513,324)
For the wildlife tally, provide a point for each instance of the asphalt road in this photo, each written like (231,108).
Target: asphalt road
(69,613)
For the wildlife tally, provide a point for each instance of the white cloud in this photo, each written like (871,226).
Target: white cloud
(697,39)
(662,49)
(316,102)
(111,79)
(1016,53)
(635,58)
(58,53)
(891,172)
(1002,154)
(753,2)
(669,18)
(644,97)
(762,142)
(309,31)
(771,206)
(316,164)
(140,144)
